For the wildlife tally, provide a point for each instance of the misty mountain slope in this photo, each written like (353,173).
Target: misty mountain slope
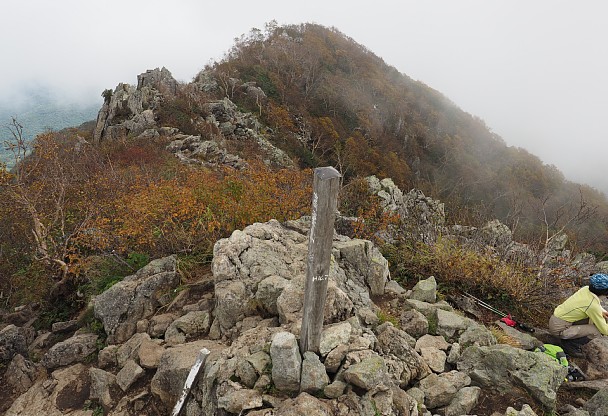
(332,101)
(39,111)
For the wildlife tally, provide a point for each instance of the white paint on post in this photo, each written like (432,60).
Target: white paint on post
(324,203)
(192,376)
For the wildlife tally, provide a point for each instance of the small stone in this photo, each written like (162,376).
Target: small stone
(129,374)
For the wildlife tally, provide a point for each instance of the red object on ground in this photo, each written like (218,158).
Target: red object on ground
(507,320)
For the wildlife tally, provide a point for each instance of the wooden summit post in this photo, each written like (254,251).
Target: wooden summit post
(324,202)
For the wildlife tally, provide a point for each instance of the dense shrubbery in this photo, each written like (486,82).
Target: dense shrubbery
(66,212)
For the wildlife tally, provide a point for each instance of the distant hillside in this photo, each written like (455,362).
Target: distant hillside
(332,101)
(40,111)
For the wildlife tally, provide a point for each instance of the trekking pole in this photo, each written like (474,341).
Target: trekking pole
(506,318)
(484,304)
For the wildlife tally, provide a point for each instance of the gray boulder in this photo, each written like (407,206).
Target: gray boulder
(334,335)
(304,404)
(173,368)
(269,291)
(195,150)
(368,373)
(451,325)
(596,353)
(76,349)
(238,401)
(425,290)
(265,264)
(128,375)
(129,109)
(286,362)
(478,335)
(526,410)
(103,387)
(414,323)
(524,340)
(435,358)
(406,364)
(463,402)
(314,378)
(505,369)
(598,404)
(440,389)
(15,340)
(21,374)
(136,297)
(432,341)
(190,326)
(130,349)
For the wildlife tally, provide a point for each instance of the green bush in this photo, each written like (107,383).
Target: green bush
(104,272)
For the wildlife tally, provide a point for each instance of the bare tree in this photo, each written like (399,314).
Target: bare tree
(39,186)
(556,221)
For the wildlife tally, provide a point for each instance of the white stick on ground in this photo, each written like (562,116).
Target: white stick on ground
(192,376)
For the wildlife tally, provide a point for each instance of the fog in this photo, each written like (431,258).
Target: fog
(536,72)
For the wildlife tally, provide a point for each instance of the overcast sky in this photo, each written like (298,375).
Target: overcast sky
(535,71)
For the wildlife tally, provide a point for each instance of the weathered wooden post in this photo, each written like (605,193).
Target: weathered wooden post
(324,202)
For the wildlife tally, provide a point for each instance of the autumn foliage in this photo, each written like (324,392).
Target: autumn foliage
(62,207)
(194,208)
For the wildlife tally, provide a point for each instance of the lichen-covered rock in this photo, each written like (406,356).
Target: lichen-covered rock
(314,378)
(21,374)
(15,340)
(128,109)
(432,341)
(334,335)
(440,389)
(463,402)
(425,290)
(476,335)
(451,325)
(435,358)
(136,297)
(414,323)
(73,350)
(504,368)
(286,362)
(368,373)
(524,340)
(190,326)
(304,404)
(265,264)
(404,363)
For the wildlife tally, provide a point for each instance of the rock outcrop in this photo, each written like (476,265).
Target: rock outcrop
(136,297)
(430,360)
(262,270)
(129,109)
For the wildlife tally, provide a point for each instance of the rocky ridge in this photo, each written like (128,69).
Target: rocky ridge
(132,111)
(433,360)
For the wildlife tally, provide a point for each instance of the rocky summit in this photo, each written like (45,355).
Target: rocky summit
(429,358)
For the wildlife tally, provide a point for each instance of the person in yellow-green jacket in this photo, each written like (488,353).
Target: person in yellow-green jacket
(581,316)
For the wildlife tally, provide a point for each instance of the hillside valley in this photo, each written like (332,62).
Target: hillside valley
(40,110)
(180,221)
